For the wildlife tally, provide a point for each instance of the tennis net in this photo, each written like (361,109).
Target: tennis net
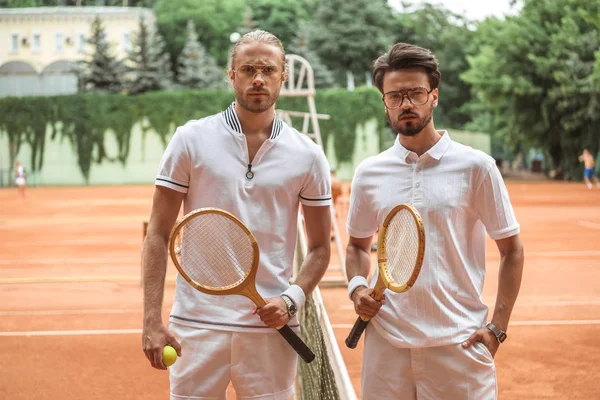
(326,378)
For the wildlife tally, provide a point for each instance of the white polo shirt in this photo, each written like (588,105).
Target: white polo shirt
(208,160)
(460,195)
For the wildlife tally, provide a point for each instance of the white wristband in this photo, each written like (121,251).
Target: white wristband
(296,294)
(355,282)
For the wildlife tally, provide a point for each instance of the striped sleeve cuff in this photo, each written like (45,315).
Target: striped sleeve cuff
(316,201)
(171,184)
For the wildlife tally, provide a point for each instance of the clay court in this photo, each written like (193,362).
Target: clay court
(71,302)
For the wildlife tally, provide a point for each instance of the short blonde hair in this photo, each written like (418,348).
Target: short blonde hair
(257,36)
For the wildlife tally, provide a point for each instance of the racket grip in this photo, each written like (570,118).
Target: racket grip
(297,344)
(356,333)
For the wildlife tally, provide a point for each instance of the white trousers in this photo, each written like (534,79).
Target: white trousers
(430,373)
(260,366)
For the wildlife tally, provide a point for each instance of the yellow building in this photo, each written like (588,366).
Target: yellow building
(39,46)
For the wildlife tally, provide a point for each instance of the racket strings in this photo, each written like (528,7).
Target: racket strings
(402,246)
(214,251)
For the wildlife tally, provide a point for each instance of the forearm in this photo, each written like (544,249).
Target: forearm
(154,263)
(358,262)
(313,268)
(509,283)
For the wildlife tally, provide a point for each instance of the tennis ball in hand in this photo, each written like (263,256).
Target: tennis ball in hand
(169,356)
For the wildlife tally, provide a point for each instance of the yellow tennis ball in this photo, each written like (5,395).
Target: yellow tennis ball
(169,356)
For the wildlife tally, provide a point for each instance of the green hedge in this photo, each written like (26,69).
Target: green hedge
(84,118)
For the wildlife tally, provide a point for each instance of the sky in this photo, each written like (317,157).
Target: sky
(472,9)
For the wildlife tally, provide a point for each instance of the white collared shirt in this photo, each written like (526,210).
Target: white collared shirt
(460,195)
(208,160)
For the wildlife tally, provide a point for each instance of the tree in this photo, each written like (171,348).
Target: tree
(101,70)
(534,74)
(280,17)
(301,46)
(195,67)
(350,34)
(149,67)
(215,20)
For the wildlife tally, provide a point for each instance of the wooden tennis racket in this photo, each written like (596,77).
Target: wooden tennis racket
(400,252)
(217,254)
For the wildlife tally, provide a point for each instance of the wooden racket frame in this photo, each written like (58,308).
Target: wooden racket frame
(248,286)
(385,279)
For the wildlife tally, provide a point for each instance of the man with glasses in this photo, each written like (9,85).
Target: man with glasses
(434,341)
(246,161)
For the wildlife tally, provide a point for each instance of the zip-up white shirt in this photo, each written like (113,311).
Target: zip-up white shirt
(460,195)
(208,160)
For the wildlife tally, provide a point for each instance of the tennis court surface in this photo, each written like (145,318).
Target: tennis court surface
(71,303)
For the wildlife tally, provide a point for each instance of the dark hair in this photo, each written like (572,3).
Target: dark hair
(402,56)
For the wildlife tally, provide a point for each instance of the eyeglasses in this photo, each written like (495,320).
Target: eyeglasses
(416,96)
(250,71)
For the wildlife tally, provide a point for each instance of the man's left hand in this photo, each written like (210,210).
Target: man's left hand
(485,336)
(274,314)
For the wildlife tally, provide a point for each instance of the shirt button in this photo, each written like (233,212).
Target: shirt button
(418,184)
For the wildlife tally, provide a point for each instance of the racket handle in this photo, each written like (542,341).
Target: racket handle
(297,344)
(356,332)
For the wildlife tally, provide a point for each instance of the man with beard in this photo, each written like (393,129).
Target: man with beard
(432,342)
(246,161)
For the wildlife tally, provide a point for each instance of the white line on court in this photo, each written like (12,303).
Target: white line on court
(335,326)
(71,333)
(518,323)
(588,224)
(69,312)
(70,261)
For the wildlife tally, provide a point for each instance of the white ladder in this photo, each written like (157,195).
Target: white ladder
(301,83)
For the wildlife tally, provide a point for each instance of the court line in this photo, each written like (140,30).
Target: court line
(71,333)
(69,261)
(525,304)
(334,326)
(518,323)
(69,312)
(588,224)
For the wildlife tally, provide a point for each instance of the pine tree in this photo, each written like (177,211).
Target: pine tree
(196,67)
(300,46)
(102,70)
(148,65)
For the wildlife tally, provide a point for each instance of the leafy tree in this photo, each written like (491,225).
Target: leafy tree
(215,20)
(101,70)
(350,34)
(301,46)
(196,68)
(280,17)
(534,73)
(149,67)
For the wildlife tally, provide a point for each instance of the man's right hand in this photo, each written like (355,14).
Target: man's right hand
(154,338)
(365,306)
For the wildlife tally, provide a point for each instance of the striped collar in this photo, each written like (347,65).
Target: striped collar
(232,120)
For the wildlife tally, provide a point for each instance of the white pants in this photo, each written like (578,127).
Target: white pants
(430,373)
(260,366)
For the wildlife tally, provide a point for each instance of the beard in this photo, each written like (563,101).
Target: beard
(411,127)
(258,104)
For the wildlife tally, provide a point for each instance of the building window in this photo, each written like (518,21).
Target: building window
(14,42)
(81,42)
(126,41)
(37,43)
(60,42)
